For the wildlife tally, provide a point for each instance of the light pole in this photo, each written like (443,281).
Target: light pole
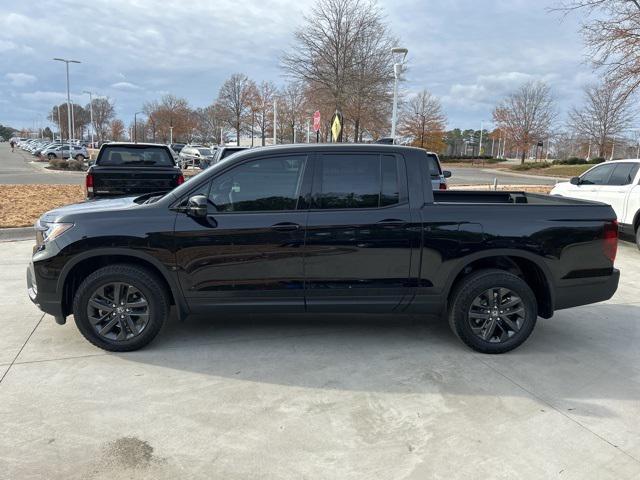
(135,127)
(275,118)
(67,62)
(91,114)
(171,135)
(399,54)
(481,132)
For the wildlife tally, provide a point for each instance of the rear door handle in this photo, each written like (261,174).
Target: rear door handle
(285,227)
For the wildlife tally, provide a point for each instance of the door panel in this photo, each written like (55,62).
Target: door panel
(242,259)
(358,245)
(616,191)
(592,182)
(248,252)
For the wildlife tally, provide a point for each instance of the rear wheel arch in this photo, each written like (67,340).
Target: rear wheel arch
(535,275)
(73,275)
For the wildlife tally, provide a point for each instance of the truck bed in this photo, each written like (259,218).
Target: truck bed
(471,196)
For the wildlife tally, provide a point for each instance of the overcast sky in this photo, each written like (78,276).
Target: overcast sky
(469,53)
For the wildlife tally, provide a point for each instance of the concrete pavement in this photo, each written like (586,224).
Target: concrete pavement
(320,397)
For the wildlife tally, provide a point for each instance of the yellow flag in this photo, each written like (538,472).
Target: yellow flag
(336,127)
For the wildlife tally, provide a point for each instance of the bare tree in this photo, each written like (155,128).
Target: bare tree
(263,108)
(116,129)
(526,115)
(424,120)
(343,55)
(293,100)
(209,121)
(235,98)
(103,112)
(171,113)
(612,34)
(606,114)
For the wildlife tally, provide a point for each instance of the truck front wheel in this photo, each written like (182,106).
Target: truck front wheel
(492,311)
(120,308)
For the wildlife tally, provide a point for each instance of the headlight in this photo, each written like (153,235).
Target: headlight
(51,231)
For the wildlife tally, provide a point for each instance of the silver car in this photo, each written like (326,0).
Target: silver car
(196,156)
(62,151)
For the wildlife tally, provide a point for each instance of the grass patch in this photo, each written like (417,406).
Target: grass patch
(22,205)
(550,170)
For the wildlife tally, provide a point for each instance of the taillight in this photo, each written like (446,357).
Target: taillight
(88,184)
(610,245)
(443,186)
(180,179)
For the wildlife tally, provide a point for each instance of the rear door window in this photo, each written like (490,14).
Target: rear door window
(351,180)
(623,174)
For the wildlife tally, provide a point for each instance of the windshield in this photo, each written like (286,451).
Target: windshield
(204,151)
(136,156)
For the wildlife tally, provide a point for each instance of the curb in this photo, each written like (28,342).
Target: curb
(16,234)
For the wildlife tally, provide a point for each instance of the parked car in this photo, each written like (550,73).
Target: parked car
(437,175)
(322,228)
(177,147)
(63,151)
(615,183)
(195,156)
(224,152)
(132,169)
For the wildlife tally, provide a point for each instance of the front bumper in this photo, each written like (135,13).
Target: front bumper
(585,291)
(48,304)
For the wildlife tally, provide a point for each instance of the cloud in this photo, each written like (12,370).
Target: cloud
(20,79)
(468,53)
(125,86)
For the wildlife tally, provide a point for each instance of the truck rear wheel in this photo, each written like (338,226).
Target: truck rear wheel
(120,308)
(493,311)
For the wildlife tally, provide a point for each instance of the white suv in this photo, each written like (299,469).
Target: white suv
(616,183)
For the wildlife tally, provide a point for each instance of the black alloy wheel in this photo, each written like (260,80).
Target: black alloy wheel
(118,311)
(493,311)
(496,315)
(122,307)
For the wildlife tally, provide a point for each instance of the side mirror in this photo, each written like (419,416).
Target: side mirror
(575,181)
(197,206)
(446,173)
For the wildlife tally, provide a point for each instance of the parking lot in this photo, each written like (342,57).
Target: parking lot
(320,397)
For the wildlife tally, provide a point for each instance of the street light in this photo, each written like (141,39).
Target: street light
(67,62)
(135,127)
(399,54)
(91,114)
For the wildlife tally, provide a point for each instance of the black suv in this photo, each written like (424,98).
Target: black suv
(322,228)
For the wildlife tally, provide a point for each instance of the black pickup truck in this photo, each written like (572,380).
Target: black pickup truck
(323,229)
(132,169)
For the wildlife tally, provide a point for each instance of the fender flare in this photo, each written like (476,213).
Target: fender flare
(172,280)
(504,252)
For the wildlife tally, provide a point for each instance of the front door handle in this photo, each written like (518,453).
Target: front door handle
(392,222)
(285,227)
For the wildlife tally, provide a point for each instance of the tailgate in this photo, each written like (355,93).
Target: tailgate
(126,181)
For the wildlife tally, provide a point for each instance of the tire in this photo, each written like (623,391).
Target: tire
(80,157)
(130,278)
(471,303)
(638,236)
(51,156)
